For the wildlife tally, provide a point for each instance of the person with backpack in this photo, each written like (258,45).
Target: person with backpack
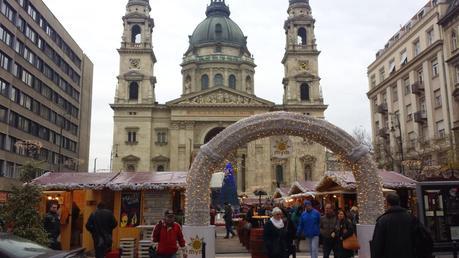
(101,224)
(167,234)
(398,234)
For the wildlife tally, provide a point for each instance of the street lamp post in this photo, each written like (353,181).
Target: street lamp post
(397,117)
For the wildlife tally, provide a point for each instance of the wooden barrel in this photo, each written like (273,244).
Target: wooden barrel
(256,243)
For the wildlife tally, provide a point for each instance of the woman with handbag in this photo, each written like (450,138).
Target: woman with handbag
(274,236)
(344,231)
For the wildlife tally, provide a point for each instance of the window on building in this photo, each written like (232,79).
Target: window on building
(394,93)
(437,98)
(3,114)
(409,112)
(420,76)
(161,137)
(430,37)
(392,66)
(412,140)
(416,47)
(218,30)
(160,168)
(440,129)
(307,172)
(132,137)
(382,74)
(304,91)
(279,174)
(248,84)
(434,68)
(453,41)
(373,81)
(3,88)
(457,73)
(407,86)
(232,81)
(302,36)
(133,91)
(403,57)
(136,34)
(218,80)
(204,82)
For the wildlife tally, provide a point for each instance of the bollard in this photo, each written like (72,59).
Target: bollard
(204,249)
(454,249)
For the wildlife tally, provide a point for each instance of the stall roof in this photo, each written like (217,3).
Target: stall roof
(148,181)
(302,186)
(281,192)
(345,180)
(73,181)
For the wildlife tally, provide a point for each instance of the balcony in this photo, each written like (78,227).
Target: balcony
(383,132)
(382,108)
(420,117)
(417,88)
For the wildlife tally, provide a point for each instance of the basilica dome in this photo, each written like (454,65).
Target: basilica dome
(218,27)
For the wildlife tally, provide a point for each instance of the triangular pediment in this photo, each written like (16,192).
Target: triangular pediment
(220,96)
(131,158)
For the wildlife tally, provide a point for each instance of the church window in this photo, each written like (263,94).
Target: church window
(161,138)
(453,40)
(136,36)
(218,30)
(279,175)
(204,82)
(307,172)
(304,88)
(160,168)
(232,81)
(133,91)
(248,84)
(302,36)
(130,168)
(132,137)
(218,80)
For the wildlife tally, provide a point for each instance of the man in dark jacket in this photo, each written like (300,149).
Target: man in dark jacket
(327,226)
(52,225)
(101,224)
(228,217)
(393,236)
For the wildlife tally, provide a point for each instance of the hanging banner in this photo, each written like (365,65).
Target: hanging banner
(281,147)
(130,210)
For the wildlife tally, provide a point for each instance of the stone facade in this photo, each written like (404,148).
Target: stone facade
(218,90)
(412,85)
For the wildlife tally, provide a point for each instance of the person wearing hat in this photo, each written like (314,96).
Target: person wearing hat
(309,227)
(167,234)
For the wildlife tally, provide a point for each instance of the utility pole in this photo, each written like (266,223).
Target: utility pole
(95,165)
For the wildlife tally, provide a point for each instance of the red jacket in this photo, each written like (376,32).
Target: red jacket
(167,238)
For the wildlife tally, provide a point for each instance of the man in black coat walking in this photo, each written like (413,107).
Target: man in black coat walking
(101,224)
(52,226)
(393,236)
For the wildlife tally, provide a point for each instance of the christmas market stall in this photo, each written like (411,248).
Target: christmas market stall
(77,195)
(281,195)
(300,191)
(140,200)
(339,187)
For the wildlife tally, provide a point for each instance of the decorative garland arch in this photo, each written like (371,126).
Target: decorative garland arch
(369,185)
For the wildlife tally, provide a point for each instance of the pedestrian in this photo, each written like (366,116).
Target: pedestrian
(343,229)
(212,214)
(228,217)
(52,225)
(310,227)
(327,226)
(167,234)
(295,217)
(354,216)
(291,231)
(275,236)
(101,224)
(393,235)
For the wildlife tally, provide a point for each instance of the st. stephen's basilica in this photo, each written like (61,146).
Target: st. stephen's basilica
(218,89)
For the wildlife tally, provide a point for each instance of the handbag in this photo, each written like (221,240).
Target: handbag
(351,243)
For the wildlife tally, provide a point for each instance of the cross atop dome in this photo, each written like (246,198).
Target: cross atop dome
(218,8)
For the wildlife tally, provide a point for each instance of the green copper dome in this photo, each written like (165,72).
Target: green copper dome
(218,27)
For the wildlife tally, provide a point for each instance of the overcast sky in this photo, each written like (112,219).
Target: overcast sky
(349,33)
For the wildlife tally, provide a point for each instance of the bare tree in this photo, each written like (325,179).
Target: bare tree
(363,137)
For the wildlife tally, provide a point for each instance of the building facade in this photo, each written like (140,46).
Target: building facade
(218,72)
(45,91)
(414,104)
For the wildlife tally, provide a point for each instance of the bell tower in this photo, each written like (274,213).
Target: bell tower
(136,81)
(301,81)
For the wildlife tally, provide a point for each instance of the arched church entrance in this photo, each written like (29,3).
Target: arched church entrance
(369,186)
